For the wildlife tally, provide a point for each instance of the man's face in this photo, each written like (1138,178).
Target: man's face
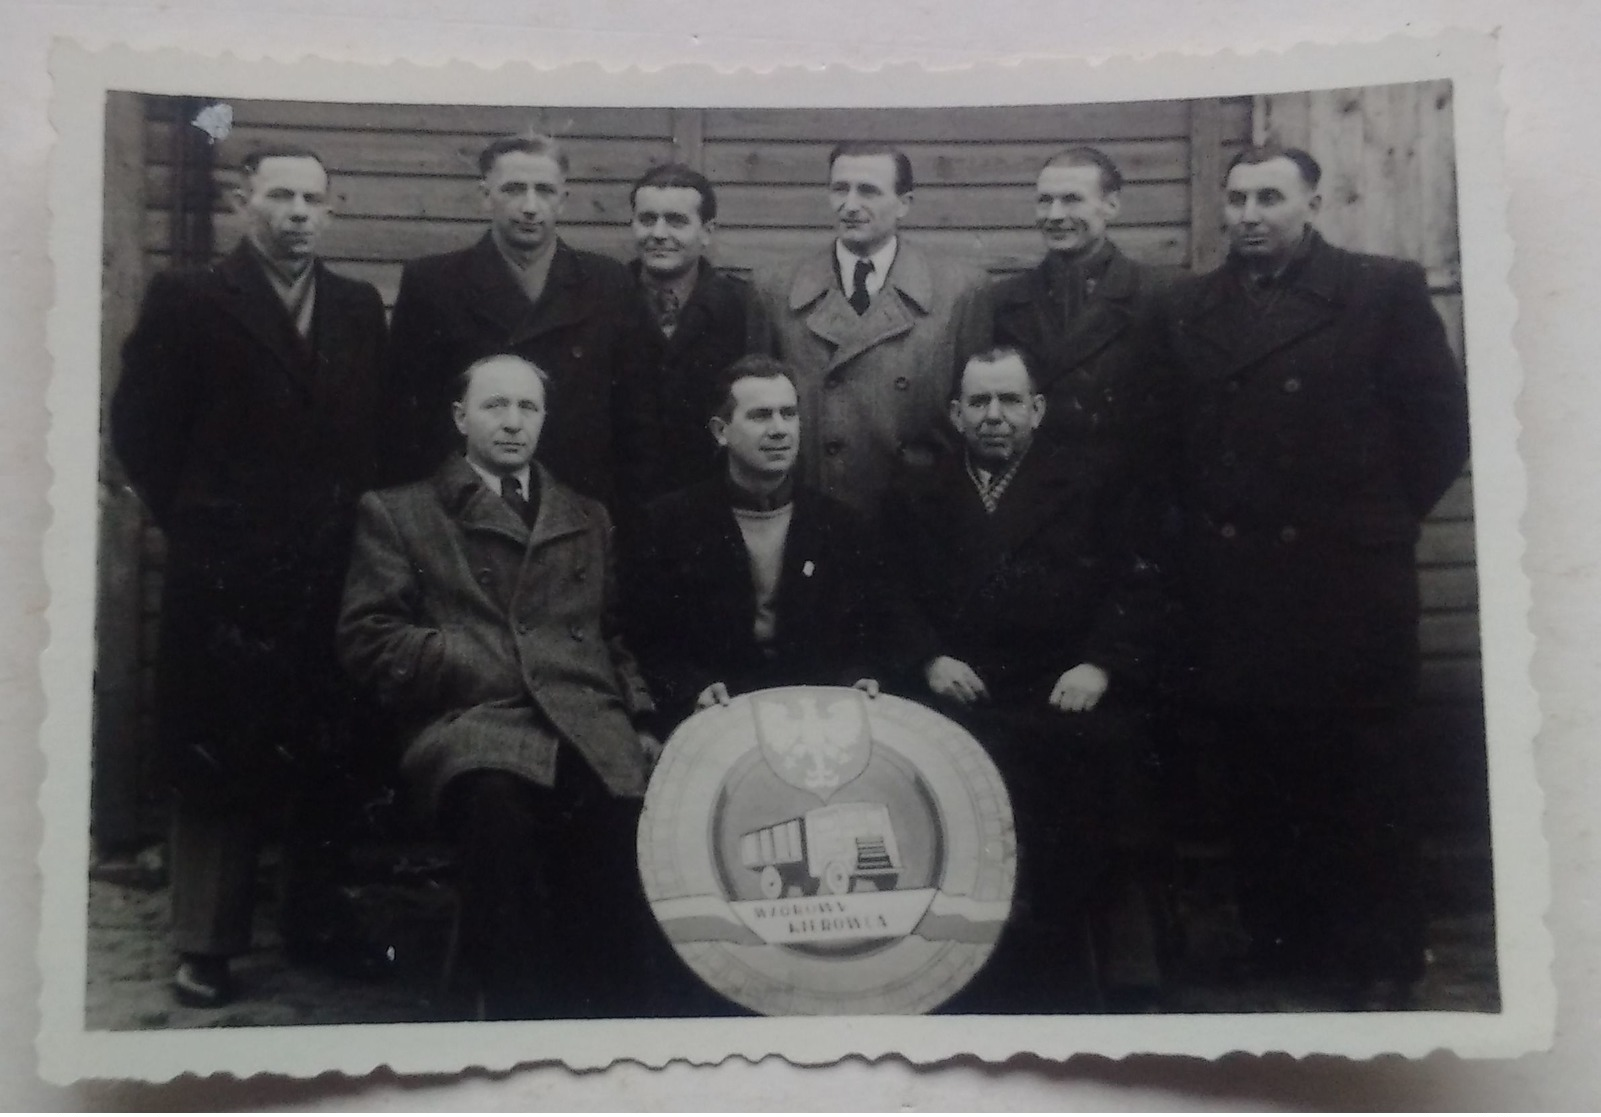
(524,195)
(668,231)
(502,414)
(861,188)
(762,435)
(997,413)
(1267,207)
(1070,209)
(286,207)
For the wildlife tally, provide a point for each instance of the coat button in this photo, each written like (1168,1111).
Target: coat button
(522,628)
(903,382)
(1228,531)
(578,352)
(833,447)
(484,577)
(580,574)
(832,380)
(578,633)
(1293,384)
(1287,535)
(1232,387)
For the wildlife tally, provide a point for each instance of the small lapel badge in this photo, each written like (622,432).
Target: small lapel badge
(807,568)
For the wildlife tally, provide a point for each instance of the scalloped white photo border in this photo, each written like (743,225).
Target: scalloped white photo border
(67,1051)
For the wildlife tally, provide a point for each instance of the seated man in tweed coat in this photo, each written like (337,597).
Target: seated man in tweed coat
(479,609)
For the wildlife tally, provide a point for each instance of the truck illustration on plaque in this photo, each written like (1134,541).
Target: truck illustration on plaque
(834,849)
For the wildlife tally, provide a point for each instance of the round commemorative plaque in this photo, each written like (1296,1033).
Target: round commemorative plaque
(811,850)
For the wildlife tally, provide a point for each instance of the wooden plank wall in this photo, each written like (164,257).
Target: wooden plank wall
(405,182)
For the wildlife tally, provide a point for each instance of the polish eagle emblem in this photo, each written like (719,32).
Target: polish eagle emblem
(816,739)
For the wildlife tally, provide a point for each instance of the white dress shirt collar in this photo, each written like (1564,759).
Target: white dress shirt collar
(492,480)
(882,259)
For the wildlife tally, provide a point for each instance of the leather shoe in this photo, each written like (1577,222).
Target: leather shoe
(202,981)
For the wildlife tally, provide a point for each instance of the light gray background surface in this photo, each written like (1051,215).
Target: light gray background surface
(1554,131)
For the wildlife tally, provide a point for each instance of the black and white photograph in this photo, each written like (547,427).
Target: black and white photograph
(561,564)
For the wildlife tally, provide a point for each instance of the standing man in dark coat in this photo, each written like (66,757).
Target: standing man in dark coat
(705,320)
(750,579)
(1025,561)
(481,610)
(1083,316)
(246,418)
(1324,415)
(522,290)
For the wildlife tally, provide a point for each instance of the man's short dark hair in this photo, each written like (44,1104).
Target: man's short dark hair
(1311,173)
(903,165)
(252,161)
(671,176)
(756,365)
(464,378)
(1083,155)
(529,143)
(994,355)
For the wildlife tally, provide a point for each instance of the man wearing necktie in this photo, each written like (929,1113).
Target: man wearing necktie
(705,319)
(244,419)
(1083,316)
(480,610)
(876,329)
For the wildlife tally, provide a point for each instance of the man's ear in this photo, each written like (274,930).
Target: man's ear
(719,428)
(1114,202)
(1037,406)
(954,410)
(483,193)
(458,411)
(1315,202)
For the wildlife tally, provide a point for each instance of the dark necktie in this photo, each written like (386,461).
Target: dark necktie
(859,296)
(514,497)
(667,308)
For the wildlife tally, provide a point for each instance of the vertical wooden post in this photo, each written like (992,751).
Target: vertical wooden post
(1206,190)
(689,137)
(117,785)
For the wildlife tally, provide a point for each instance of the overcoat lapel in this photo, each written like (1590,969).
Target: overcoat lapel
(248,297)
(1310,301)
(480,514)
(907,294)
(1103,320)
(500,300)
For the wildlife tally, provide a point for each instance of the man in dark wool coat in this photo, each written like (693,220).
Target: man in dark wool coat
(1324,415)
(245,417)
(1026,561)
(521,289)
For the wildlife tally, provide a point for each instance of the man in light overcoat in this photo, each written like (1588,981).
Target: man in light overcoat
(876,329)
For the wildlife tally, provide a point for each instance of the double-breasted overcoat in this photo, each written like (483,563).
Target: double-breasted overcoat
(873,387)
(250,445)
(588,331)
(493,642)
(1322,420)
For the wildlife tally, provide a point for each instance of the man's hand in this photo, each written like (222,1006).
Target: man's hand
(650,746)
(714,695)
(868,687)
(953,679)
(1079,689)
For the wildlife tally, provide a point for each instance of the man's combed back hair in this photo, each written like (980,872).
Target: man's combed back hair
(994,355)
(671,176)
(529,143)
(464,378)
(251,163)
(1083,155)
(1311,173)
(758,365)
(903,165)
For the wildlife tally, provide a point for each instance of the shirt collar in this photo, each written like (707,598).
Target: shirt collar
(492,480)
(682,285)
(741,497)
(882,259)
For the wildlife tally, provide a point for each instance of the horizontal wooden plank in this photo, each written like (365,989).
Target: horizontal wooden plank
(499,120)
(1457,503)
(1454,679)
(1454,633)
(991,124)
(1449,587)
(758,206)
(450,154)
(942,207)
(1446,544)
(965,164)
(376,239)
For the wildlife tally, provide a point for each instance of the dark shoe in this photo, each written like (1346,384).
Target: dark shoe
(341,954)
(202,981)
